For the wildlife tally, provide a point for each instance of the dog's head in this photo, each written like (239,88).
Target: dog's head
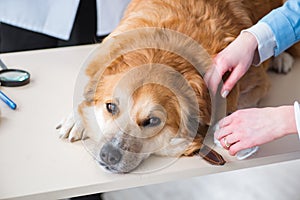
(146,101)
(142,105)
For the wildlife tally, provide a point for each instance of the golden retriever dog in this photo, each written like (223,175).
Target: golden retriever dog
(146,94)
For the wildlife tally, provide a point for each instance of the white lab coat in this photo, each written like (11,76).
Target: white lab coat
(56,17)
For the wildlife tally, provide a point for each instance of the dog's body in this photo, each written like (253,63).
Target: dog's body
(139,100)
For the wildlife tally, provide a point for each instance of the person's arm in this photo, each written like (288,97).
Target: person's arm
(273,34)
(266,42)
(277,31)
(285,25)
(237,58)
(255,126)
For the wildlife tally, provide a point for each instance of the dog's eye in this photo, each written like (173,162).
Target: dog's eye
(153,121)
(112,108)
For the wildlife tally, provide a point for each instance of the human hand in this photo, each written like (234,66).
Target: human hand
(252,127)
(236,58)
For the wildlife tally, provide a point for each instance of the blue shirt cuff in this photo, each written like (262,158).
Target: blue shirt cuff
(282,30)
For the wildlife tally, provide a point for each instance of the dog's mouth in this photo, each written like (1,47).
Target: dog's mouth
(119,169)
(109,168)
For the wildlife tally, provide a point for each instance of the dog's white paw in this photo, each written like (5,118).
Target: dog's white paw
(283,63)
(70,128)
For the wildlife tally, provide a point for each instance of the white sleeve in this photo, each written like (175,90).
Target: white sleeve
(297,116)
(50,17)
(265,39)
(109,15)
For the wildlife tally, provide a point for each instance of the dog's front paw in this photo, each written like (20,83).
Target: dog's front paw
(70,128)
(283,63)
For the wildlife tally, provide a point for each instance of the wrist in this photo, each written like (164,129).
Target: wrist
(252,44)
(265,39)
(288,120)
(250,39)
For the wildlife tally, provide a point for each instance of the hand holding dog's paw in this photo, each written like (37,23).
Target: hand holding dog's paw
(70,129)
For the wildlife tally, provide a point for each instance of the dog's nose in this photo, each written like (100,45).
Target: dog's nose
(110,154)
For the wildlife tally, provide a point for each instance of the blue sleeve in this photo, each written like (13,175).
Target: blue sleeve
(285,24)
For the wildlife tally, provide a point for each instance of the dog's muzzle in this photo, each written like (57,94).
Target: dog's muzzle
(121,154)
(110,155)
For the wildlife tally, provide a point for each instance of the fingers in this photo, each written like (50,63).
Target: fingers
(231,136)
(237,58)
(228,136)
(223,132)
(233,149)
(226,121)
(229,140)
(232,143)
(234,77)
(213,78)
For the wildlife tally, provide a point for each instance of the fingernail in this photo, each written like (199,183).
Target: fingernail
(225,93)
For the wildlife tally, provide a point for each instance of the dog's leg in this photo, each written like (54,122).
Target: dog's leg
(175,147)
(295,50)
(251,94)
(232,100)
(254,86)
(283,63)
(70,128)
(251,97)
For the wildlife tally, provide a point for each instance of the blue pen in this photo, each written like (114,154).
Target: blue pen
(8,101)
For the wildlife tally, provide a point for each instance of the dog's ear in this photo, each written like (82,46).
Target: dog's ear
(203,98)
(90,89)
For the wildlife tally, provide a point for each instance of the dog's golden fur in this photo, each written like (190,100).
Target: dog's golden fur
(211,23)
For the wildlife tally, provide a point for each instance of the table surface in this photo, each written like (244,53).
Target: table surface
(35,164)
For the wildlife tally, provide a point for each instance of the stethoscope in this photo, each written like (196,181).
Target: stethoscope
(12,78)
